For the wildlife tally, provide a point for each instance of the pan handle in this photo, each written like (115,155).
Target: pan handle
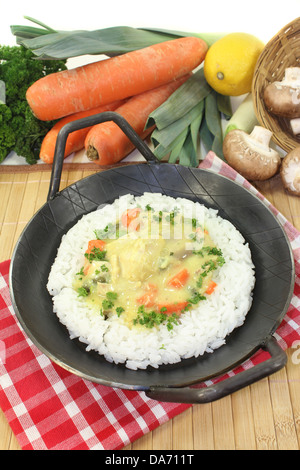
(87,122)
(227,386)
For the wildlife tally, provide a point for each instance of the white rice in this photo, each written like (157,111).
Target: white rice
(200,330)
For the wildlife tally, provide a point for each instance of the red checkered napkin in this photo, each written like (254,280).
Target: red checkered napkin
(47,407)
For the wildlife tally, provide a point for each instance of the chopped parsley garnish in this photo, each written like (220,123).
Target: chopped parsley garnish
(221,260)
(82,292)
(111,295)
(210,265)
(158,218)
(211,250)
(107,232)
(196,298)
(151,318)
(204,251)
(170,218)
(95,255)
(80,273)
(172,320)
(108,304)
(120,310)
(111,231)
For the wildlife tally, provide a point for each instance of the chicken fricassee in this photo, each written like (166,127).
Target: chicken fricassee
(150,267)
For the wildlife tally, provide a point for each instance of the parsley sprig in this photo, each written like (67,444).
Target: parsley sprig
(95,255)
(108,303)
(151,318)
(82,292)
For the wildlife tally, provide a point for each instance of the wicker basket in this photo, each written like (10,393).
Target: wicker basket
(282,51)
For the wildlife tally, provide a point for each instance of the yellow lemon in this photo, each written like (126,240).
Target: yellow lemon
(229,63)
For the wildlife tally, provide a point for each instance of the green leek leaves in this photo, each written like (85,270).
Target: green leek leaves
(188,124)
(47,43)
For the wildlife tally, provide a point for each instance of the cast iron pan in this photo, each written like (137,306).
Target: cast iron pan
(271,252)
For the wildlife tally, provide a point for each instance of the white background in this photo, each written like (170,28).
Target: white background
(262,18)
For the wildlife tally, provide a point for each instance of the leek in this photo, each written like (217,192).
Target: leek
(194,90)
(244,118)
(213,121)
(48,43)
(191,117)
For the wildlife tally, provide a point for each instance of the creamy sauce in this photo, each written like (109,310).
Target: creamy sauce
(157,266)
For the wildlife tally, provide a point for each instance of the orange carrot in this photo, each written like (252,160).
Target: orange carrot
(210,288)
(67,92)
(201,230)
(75,140)
(168,309)
(99,244)
(93,245)
(180,279)
(148,298)
(106,143)
(86,268)
(129,216)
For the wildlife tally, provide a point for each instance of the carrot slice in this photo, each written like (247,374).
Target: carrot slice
(129,217)
(176,307)
(86,268)
(95,244)
(211,287)
(201,230)
(180,279)
(148,299)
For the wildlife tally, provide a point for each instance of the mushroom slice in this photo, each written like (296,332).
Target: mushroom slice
(251,155)
(283,97)
(290,171)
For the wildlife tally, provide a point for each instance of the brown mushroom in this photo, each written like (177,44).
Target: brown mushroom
(283,97)
(290,171)
(251,155)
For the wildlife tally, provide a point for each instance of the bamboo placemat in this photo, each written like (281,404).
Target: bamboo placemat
(48,167)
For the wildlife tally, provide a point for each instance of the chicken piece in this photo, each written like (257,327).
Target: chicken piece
(138,258)
(115,267)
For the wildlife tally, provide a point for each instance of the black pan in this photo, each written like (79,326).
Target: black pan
(271,252)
